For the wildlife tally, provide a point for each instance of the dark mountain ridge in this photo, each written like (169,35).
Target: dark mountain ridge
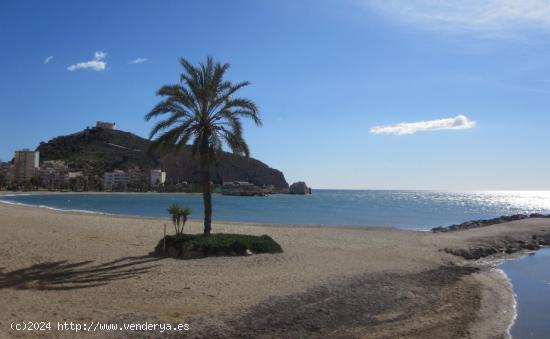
(97,150)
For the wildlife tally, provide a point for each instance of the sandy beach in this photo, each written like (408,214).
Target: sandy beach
(329,282)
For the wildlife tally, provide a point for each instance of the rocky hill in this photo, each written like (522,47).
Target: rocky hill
(96,151)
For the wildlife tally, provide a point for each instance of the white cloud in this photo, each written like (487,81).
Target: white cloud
(99,55)
(495,17)
(48,59)
(459,122)
(137,61)
(97,64)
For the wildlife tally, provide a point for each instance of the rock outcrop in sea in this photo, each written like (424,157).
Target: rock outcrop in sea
(299,187)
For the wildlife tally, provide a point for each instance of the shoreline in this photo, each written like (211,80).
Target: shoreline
(305,265)
(115,215)
(471,223)
(514,300)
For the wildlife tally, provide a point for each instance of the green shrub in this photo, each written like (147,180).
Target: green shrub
(220,244)
(179,215)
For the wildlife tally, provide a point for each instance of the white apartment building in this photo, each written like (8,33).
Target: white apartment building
(157,178)
(116,178)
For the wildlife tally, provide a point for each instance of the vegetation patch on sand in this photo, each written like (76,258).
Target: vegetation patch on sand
(191,246)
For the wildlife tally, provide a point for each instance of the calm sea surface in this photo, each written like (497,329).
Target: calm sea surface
(530,276)
(404,209)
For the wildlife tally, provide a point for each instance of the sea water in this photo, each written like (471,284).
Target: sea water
(530,277)
(404,209)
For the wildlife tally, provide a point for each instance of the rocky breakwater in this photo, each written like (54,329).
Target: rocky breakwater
(498,245)
(487,222)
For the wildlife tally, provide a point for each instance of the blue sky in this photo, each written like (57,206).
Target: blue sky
(332,79)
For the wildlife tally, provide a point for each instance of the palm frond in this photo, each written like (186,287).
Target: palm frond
(169,140)
(178,94)
(165,124)
(225,91)
(167,106)
(237,144)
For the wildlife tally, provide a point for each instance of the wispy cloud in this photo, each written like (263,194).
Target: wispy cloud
(48,59)
(99,55)
(137,61)
(493,17)
(97,64)
(459,122)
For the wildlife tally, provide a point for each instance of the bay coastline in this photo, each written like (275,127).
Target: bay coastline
(358,257)
(416,210)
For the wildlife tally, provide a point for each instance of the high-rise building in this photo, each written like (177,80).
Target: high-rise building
(25,165)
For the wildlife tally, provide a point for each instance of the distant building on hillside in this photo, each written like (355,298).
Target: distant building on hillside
(54,173)
(25,165)
(116,179)
(105,125)
(157,177)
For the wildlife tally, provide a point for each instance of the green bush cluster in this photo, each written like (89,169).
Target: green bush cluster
(223,244)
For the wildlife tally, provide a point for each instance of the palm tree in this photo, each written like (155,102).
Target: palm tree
(202,110)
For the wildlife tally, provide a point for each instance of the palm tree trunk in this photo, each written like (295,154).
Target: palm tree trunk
(206,194)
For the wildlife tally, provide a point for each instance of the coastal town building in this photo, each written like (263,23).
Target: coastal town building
(74,175)
(138,179)
(105,125)
(54,173)
(5,177)
(116,179)
(25,165)
(157,177)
